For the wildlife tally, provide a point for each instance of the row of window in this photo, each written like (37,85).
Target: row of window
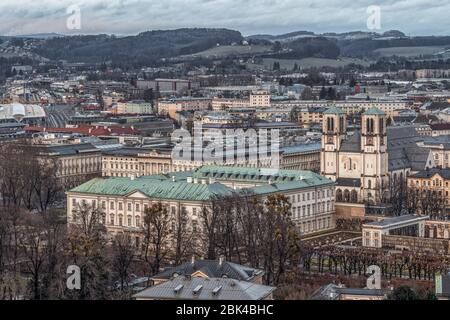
(137,206)
(429,183)
(321,194)
(309,210)
(312,226)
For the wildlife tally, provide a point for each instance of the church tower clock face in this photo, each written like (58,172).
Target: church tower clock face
(330,140)
(370,141)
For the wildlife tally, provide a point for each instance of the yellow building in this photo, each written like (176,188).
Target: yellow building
(434,183)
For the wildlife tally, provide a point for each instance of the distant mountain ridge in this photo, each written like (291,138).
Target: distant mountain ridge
(340,36)
(147,45)
(42,36)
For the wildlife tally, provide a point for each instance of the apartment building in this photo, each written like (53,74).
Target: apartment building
(132,107)
(257,99)
(433,183)
(172,106)
(260,98)
(224,103)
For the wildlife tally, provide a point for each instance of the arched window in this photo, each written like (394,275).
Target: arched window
(354,196)
(341,124)
(330,124)
(381,125)
(339,195)
(369,125)
(369,184)
(346,195)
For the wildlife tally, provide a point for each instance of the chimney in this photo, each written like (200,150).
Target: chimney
(193,260)
(221,260)
(189,179)
(132,177)
(174,179)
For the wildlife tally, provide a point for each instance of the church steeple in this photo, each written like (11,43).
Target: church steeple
(373,129)
(333,132)
(374,158)
(334,126)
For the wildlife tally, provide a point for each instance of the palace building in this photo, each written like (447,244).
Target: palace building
(123,200)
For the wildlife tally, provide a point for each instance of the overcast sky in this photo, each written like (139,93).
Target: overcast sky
(415,17)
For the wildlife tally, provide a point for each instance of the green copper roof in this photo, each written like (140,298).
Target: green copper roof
(153,188)
(288,186)
(334,110)
(262,175)
(373,112)
(162,187)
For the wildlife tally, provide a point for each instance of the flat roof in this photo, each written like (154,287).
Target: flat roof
(391,222)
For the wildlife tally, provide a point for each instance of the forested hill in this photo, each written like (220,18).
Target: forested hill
(147,45)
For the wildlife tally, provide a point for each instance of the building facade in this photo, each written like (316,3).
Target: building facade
(172,106)
(365,163)
(123,200)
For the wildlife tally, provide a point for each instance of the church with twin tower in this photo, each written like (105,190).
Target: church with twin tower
(356,161)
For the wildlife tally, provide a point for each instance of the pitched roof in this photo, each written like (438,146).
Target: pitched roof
(212,269)
(352,143)
(263,175)
(194,288)
(426,174)
(403,151)
(334,110)
(373,111)
(162,187)
(153,187)
(64,150)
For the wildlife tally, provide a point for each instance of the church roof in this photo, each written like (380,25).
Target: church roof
(334,110)
(374,112)
(403,151)
(352,143)
(402,148)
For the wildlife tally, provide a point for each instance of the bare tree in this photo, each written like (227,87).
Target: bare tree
(156,236)
(184,237)
(281,240)
(86,246)
(123,255)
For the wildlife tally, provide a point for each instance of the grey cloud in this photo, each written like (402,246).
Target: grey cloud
(248,16)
